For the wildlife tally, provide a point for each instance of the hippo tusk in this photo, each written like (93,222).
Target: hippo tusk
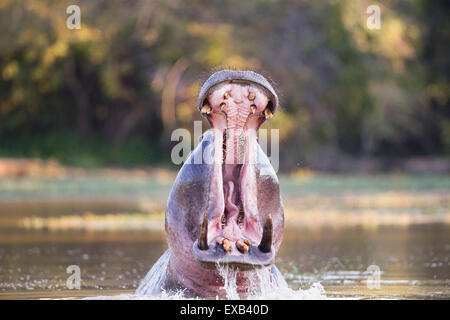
(266,241)
(203,234)
(206,109)
(268,113)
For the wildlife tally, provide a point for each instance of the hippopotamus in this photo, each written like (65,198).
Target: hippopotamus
(225,206)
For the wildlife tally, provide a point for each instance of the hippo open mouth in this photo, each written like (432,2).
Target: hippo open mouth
(225,205)
(232,230)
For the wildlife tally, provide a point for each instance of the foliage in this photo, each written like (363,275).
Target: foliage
(131,74)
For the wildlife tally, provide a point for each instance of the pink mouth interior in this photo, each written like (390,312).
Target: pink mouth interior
(237,112)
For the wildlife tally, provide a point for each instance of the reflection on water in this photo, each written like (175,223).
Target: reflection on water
(337,226)
(413,260)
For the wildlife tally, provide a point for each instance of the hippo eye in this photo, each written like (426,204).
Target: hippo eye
(251,96)
(226,95)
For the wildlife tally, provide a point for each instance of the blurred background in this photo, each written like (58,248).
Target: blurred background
(111,92)
(86,117)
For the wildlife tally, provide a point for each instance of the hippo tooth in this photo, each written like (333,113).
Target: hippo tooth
(222,106)
(203,234)
(219,240)
(266,241)
(226,245)
(267,113)
(206,109)
(224,146)
(240,217)
(253,108)
(226,95)
(242,247)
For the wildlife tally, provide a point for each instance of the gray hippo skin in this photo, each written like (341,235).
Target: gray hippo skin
(225,204)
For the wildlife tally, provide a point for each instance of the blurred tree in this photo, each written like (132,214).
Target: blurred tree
(130,75)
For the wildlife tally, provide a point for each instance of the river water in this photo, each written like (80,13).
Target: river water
(380,237)
(413,262)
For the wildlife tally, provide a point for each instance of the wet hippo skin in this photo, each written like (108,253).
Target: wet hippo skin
(225,205)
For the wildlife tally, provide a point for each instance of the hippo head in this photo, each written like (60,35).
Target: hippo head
(225,205)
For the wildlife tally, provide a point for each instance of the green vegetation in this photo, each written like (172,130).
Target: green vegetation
(126,202)
(112,92)
(340,184)
(159,187)
(71,149)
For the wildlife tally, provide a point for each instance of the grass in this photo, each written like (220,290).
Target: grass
(291,187)
(363,183)
(310,201)
(73,150)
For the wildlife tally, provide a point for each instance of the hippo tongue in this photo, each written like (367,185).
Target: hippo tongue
(231,229)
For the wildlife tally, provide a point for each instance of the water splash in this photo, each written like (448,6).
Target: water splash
(266,283)
(154,280)
(229,276)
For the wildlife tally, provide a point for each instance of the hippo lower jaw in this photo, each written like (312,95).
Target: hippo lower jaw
(250,257)
(255,258)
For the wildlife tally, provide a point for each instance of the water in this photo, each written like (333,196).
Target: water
(154,280)
(413,260)
(338,228)
(271,286)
